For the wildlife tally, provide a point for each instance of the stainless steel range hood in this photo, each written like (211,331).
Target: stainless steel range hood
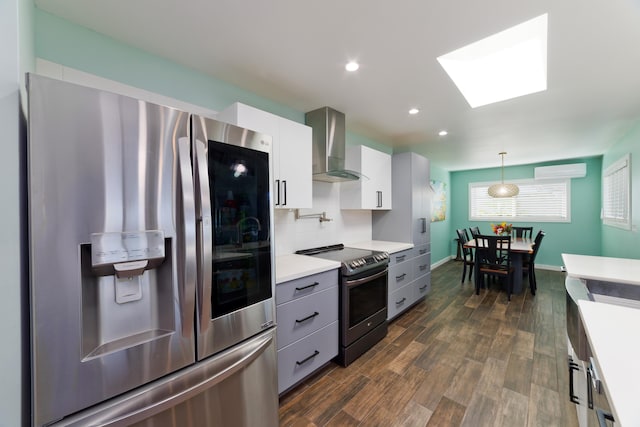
(329,140)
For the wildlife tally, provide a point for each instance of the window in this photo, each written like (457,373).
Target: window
(616,194)
(541,201)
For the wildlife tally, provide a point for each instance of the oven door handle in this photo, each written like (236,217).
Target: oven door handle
(357,282)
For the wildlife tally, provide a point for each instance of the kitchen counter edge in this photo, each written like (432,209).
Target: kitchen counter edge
(292,266)
(381,245)
(590,267)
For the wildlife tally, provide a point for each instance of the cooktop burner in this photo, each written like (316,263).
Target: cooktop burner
(353,260)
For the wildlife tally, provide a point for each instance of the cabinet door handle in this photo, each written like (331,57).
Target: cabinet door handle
(423,267)
(311,316)
(400,258)
(589,390)
(306,359)
(313,285)
(572,367)
(379,199)
(603,416)
(424,225)
(401,277)
(284,192)
(422,288)
(423,251)
(401,301)
(277,192)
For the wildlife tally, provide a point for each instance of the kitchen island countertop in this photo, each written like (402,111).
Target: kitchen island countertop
(617,270)
(292,266)
(381,245)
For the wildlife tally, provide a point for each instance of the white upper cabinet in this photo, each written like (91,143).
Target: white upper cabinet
(292,185)
(373,190)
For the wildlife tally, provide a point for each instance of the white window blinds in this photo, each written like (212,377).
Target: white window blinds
(616,194)
(539,201)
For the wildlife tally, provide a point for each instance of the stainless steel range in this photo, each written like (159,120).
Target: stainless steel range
(363,297)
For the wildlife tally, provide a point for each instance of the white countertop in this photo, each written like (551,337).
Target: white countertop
(619,270)
(613,337)
(381,245)
(290,267)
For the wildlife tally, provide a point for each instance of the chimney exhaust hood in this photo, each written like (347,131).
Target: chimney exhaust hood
(328,148)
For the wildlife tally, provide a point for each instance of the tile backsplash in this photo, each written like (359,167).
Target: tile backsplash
(346,226)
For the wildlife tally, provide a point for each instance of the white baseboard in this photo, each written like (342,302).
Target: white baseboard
(441,262)
(548,267)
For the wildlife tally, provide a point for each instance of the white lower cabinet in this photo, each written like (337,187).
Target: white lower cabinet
(409,279)
(307,318)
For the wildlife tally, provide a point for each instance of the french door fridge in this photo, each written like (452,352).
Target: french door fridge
(150,264)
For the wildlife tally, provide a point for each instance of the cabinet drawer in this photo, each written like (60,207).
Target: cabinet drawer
(400,257)
(304,286)
(400,275)
(421,250)
(422,286)
(300,317)
(421,265)
(302,358)
(400,300)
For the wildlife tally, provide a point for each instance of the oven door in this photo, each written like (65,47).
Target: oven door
(236,281)
(364,304)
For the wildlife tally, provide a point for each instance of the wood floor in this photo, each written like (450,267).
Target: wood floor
(456,359)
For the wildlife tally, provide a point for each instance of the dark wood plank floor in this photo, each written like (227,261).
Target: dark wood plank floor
(456,359)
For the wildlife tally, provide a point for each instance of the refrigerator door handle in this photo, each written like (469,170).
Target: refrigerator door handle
(166,396)
(187,264)
(205,241)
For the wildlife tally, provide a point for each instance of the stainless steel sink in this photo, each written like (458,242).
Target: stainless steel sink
(614,293)
(598,291)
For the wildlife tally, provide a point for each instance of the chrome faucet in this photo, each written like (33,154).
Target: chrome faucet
(239,228)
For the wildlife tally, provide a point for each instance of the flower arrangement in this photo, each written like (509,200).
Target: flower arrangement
(501,228)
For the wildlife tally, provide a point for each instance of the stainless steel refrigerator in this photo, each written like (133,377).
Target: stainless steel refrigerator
(150,263)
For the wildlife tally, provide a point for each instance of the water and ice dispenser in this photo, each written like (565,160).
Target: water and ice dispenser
(127,292)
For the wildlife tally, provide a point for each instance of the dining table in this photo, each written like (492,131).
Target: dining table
(520,246)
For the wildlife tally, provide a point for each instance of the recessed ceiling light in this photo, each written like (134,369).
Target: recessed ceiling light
(352,66)
(505,65)
(443,133)
(414,111)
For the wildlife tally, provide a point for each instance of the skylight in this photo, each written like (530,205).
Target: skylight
(505,65)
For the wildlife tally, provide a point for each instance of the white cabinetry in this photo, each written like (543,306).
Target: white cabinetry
(307,317)
(408,222)
(372,191)
(291,152)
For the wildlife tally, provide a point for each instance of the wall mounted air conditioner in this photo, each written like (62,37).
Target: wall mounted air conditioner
(573,170)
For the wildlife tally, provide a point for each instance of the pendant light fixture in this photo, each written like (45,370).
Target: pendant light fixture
(502,189)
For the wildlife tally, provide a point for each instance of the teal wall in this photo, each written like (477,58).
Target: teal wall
(441,240)
(580,236)
(617,242)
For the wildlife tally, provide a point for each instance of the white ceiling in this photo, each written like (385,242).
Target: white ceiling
(294,52)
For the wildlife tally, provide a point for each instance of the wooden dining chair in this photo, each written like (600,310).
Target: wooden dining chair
(474,231)
(467,253)
(493,256)
(528,263)
(526,232)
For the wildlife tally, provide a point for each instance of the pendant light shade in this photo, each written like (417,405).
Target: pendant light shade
(502,189)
